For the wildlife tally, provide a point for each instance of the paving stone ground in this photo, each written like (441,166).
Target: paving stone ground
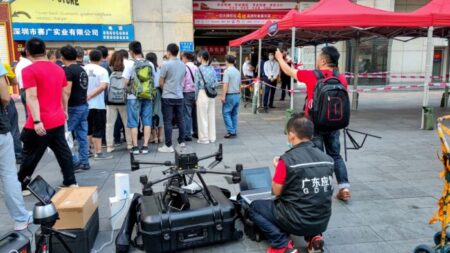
(395,183)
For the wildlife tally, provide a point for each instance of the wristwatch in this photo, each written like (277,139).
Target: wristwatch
(36,122)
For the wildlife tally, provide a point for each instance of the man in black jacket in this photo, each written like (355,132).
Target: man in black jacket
(303,190)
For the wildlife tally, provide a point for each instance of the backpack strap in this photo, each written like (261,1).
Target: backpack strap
(319,74)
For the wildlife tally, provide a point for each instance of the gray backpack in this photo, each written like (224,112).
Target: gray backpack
(116,93)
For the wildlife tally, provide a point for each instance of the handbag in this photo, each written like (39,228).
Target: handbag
(210,91)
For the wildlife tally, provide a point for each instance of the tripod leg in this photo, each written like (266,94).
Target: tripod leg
(64,244)
(345,143)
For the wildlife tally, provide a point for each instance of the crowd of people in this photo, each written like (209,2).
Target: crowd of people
(106,99)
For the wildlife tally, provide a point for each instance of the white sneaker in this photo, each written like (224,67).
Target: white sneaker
(165,149)
(21,225)
(182,145)
(202,142)
(69,186)
(26,193)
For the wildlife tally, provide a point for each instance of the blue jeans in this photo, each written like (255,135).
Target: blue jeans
(173,108)
(139,109)
(8,175)
(13,117)
(230,111)
(332,145)
(189,106)
(78,125)
(261,213)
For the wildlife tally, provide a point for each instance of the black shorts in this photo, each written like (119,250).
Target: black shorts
(96,123)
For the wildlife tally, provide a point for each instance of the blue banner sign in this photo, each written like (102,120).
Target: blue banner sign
(73,32)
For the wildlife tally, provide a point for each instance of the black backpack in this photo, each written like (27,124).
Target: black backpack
(330,109)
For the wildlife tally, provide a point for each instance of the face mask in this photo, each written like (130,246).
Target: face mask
(271,57)
(289,145)
(86,58)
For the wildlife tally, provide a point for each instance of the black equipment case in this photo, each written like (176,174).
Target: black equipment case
(85,237)
(202,224)
(14,242)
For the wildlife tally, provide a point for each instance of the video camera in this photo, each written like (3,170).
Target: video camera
(180,177)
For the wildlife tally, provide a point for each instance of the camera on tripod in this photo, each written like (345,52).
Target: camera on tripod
(45,214)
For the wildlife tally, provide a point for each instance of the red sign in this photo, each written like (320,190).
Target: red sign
(235,18)
(243,5)
(216,50)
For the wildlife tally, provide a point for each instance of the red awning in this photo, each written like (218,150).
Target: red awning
(334,20)
(344,13)
(439,10)
(258,34)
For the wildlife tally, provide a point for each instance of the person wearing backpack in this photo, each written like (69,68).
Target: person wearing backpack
(139,78)
(171,82)
(116,100)
(330,115)
(205,85)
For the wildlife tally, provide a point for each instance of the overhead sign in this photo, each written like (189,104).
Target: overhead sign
(187,46)
(73,32)
(235,18)
(72,11)
(243,5)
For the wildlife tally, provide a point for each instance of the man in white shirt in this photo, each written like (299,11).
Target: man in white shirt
(98,82)
(271,74)
(23,62)
(247,70)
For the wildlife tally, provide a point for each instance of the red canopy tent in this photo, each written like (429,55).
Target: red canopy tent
(258,34)
(336,20)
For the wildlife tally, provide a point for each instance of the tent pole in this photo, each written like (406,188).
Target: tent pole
(256,97)
(293,57)
(447,72)
(355,72)
(240,59)
(428,73)
(315,55)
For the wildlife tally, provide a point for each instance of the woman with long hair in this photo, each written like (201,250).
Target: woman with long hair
(157,113)
(206,115)
(113,110)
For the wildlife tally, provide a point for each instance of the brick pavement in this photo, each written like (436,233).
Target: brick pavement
(395,181)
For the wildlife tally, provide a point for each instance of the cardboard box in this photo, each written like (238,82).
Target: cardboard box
(75,206)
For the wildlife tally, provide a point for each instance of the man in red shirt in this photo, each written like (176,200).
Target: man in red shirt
(327,61)
(44,83)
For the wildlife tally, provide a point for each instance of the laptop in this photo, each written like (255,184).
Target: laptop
(256,184)
(41,190)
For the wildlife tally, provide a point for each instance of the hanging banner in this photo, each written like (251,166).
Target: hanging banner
(243,5)
(235,18)
(71,11)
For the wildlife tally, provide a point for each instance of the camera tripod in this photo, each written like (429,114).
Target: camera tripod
(185,166)
(45,244)
(355,144)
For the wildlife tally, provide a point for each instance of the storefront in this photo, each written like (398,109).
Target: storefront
(80,22)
